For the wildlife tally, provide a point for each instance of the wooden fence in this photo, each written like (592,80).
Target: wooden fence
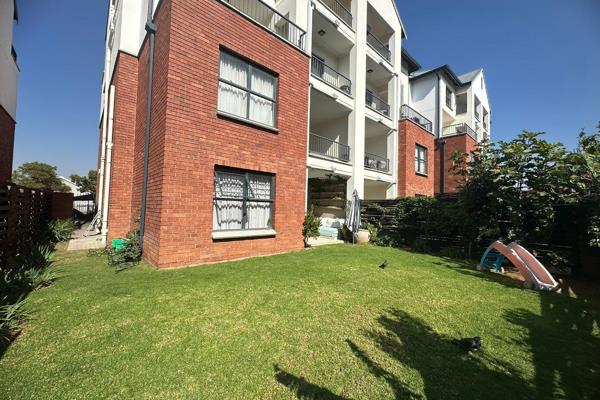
(23,212)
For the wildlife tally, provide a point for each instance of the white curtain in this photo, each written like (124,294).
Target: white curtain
(259,213)
(262,110)
(231,99)
(228,214)
(420,160)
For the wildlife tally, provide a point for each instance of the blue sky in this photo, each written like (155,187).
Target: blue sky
(541,58)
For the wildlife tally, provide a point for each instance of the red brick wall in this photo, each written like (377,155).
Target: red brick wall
(409,182)
(188,138)
(125,78)
(463,143)
(7,143)
(61,205)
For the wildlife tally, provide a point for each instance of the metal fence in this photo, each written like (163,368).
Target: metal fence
(379,47)
(407,112)
(377,104)
(271,19)
(377,163)
(326,147)
(330,75)
(459,129)
(340,10)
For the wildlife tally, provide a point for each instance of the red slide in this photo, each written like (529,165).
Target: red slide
(535,274)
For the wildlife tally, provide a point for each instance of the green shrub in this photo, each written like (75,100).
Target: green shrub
(130,254)
(310,227)
(39,256)
(38,278)
(421,245)
(373,231)
(12,318)
(61,229)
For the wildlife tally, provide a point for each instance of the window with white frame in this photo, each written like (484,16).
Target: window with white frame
(421,160)
(243,200)
(246,91)
(449,95)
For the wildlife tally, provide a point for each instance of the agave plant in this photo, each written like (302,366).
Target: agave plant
(12,318)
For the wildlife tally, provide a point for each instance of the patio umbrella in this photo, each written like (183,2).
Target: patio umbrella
(353,217)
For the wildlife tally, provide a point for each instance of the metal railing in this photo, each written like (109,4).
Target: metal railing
(330,75)
(459,129)
(377,163)
(270,19)
(379,47)
(329,148)
(340,10)
(407,112)
(376,104)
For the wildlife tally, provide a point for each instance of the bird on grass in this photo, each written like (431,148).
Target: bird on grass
(385,264)
(470,345)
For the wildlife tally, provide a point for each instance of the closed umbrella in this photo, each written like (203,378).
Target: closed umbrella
(353,217)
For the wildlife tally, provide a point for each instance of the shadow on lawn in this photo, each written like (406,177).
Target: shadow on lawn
(446,371)
(469,269)
(302,388)
(565,347)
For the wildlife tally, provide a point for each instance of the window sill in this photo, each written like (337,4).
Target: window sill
(422,174)
(243,233)
(247,121)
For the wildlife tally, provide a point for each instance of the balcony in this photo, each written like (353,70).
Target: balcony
(379,47)
(328,148)
(330,76)
(406,112)
(340,10)
(270,19)
(459,129)
(377,163)
(376,104)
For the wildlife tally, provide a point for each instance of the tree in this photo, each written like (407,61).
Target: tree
(37,175)
(86,184)
(310,227)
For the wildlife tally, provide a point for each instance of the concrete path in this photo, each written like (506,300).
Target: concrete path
(82,242)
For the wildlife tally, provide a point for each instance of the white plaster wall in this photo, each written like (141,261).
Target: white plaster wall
(423,98)
(9,72)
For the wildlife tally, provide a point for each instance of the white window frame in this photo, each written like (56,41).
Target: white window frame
(244,199)
(421,159)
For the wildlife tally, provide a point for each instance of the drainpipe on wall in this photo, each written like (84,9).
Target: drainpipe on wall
(438,125)
(151,29)
(442,144)
(105,90)
(109,145)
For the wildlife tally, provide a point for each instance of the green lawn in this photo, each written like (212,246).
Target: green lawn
(324,323)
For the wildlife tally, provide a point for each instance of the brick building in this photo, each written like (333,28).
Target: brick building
(250,103)
(9,74)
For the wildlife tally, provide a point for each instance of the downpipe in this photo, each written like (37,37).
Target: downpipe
(151,29)
(109,146)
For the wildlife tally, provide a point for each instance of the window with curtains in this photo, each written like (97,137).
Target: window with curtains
(246,91)
(421,160)
(243,200)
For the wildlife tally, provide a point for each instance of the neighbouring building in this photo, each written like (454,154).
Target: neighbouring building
(9,75)
(258,110)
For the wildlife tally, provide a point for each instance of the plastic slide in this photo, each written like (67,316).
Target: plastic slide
(536,275)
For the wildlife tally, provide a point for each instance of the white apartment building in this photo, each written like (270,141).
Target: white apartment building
(454,104)
(367,118)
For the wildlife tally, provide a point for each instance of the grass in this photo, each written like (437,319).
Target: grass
(325,323)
